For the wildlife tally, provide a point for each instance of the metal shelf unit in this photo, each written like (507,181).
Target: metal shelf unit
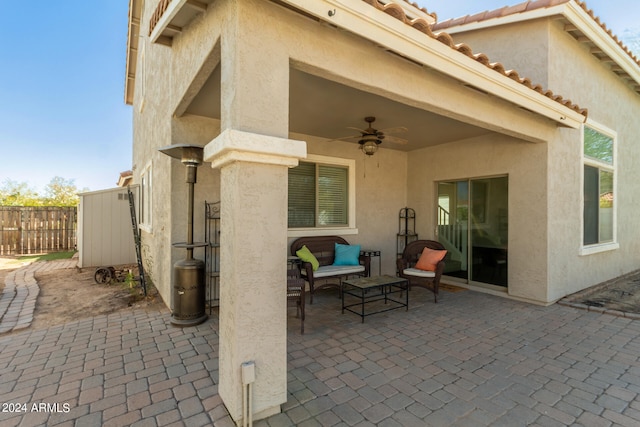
(406,229)
(212,253)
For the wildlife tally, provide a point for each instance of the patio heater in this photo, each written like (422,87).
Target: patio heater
(188,297)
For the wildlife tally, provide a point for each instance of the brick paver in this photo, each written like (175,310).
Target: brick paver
(470,360)
(18,299)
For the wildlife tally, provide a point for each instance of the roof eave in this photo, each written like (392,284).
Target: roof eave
(133,35)
(577,16)
(598,36)
(507,19)
(392,34)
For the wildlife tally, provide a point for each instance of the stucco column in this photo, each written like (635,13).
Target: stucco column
(253,322)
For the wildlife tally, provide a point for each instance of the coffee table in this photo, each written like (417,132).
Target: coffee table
(372,289)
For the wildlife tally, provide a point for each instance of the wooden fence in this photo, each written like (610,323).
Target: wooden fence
(36,230)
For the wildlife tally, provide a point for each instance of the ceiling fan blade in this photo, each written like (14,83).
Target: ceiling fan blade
(395,140)
(358,129)
(345,138)
(399,129)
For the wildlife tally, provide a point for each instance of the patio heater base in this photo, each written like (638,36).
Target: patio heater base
(186,323)
(188,293)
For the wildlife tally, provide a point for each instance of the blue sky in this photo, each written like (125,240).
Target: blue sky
(62,110)
(62,92)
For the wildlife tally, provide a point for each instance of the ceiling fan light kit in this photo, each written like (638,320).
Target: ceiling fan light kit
(369,145)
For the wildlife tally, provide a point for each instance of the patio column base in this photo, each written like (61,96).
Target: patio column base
(253,209)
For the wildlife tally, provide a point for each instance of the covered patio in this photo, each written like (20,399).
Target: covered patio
(266,86)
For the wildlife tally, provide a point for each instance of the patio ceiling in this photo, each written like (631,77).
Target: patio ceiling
(326,109)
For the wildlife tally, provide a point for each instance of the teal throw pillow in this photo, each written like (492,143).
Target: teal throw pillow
(346,254)
(306,256)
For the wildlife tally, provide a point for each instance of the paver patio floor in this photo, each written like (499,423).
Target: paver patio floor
(472,359)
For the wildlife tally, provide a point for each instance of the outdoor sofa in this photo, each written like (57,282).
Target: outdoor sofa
(326,260)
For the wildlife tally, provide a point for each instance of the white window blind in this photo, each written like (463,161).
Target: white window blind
(332,195)
(318,196)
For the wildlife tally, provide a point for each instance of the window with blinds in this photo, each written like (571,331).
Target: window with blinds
(318,196)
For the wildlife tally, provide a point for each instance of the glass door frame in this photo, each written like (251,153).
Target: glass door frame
(492,254)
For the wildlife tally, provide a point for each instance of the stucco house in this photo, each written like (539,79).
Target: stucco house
(521,144)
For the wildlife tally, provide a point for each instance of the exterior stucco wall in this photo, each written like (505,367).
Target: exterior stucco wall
(543,51)
(154,127)
(578,75)
(524,47)
(149,134)
(492,155)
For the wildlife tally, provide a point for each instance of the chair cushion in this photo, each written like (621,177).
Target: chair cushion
(429,259)
(306,256)
(346,254)
(337,270)
(418,273)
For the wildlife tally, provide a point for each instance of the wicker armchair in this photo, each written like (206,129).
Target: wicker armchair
(424,279)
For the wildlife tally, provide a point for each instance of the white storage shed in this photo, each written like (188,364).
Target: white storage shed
(105,230)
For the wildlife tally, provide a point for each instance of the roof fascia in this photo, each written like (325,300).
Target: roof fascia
(581,19)
(133,34)
(577,16)
(384,30)
(510,19)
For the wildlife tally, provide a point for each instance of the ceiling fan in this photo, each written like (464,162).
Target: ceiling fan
(370,138)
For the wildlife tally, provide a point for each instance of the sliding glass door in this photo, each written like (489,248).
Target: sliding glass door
(473,226)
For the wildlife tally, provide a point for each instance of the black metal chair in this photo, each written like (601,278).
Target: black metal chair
(296,292)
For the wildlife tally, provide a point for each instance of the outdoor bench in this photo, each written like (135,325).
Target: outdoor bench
(347,262)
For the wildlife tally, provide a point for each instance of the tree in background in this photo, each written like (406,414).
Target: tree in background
(14,193)
(59,192)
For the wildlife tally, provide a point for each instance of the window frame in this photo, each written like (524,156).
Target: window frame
(142,78)
(350,228)
(593,248)
(146,199)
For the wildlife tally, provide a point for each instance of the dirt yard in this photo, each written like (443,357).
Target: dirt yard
(71,294)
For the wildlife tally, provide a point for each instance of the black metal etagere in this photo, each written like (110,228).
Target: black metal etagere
(212,253)
(406,228)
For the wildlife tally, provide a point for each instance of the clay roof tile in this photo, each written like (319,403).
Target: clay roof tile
(445,39)
(476,17)
(398,12)
(498,67)
(465,49)
(482,58)
(518,8)
(497,13)
(513,75)
(421,25)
